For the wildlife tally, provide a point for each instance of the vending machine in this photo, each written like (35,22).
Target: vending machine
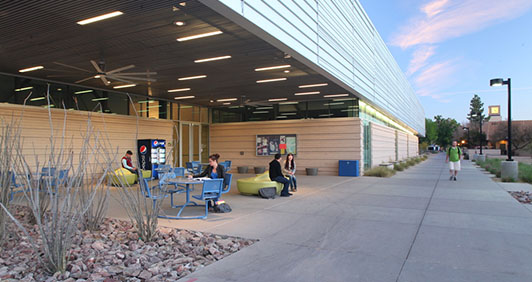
(152,153)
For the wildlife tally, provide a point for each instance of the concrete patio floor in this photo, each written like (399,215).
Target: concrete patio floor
(415,226)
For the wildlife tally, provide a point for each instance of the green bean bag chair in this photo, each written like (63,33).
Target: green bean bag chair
(251,185)
(125,177)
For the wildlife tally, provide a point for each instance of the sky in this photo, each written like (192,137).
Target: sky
(450,49)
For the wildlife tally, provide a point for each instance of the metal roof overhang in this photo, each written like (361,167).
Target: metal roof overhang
(46,33)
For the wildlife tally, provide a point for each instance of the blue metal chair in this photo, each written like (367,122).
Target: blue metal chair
(176,188)
(227,165)
(211,190)
(227,183)
(15,187)
(178,171)
(151,192)
(61,178)
(193,167)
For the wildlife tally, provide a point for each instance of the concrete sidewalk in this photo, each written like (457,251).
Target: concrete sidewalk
(415,226)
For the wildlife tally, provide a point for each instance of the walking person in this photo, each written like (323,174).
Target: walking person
(276,175)
(453,156)
(289,170)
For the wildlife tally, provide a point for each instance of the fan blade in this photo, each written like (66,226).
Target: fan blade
(133,78)
(105,81)
(85,79)
(69,66)
(95,65)
(136,73)
(120,69)
(61,75)
(123,80)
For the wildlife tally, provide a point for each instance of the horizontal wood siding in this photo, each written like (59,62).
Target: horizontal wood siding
(413,146)
(119,130)
(402,145)
(320,142)
(382,144)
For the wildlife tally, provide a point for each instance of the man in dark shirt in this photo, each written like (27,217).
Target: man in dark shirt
(276,174)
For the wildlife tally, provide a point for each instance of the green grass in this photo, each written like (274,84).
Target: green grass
(380,172)
(525,172)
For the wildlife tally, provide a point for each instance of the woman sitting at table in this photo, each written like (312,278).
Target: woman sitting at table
(214,170)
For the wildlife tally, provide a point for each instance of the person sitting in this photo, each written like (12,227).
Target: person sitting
(289,169)
(214,170)
(277,175)
(127,163)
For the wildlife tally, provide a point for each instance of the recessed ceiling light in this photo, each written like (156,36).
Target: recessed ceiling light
(313,85)
(23,88)
(335,95)
(271,80)
(227,103)
(264,108)
(261,112)
(184,97)
(212,101)
(83,91)
(307,93)
(31,69)
(326,115)
(154,106)
(97,76)
(207,34)
(212,59)
(227,100)
(37,99)
(183,4)
(286,71)
(179,23)
(272,68)
(192,77)
(289,103)
(178,90)
(289,114)
(333,104)
(281,117)
(277,99)
(100,18)
(124,86)
(100,99)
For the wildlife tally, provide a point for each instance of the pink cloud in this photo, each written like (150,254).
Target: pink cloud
(432,80)
(419,59)
(445,19)
(433,8)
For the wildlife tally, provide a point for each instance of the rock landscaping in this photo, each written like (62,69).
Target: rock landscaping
(522,196)
(115,253)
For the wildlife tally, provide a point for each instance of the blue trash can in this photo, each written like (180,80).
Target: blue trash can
(348,168)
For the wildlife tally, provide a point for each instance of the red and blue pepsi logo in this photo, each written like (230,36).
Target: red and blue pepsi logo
(143,149)
(155,142)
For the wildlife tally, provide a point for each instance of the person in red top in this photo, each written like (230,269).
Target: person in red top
(127,163)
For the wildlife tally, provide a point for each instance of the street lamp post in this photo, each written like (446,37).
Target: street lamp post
(467,128)
(480,118)
(509,168)
(500,82)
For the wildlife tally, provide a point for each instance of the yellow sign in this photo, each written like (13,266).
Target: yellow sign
(494,110)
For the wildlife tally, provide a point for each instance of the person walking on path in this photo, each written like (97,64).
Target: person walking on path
(453,156)
(277,175)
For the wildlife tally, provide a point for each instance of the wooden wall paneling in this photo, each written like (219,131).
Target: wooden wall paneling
(320,142)
(402,145)
(382,144)
(413,146)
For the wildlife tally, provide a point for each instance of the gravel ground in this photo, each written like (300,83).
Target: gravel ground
(115,253)
(522,196)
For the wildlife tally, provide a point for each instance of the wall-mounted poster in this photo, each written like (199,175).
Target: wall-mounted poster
(268,145)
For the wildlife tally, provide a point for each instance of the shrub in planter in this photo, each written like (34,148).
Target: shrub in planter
(398,167)
(380,172)
(508,179)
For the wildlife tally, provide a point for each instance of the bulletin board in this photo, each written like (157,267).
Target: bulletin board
(283,144)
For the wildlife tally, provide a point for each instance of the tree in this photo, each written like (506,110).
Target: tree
(431,132)
(446,128)
(476,117)
(521,135)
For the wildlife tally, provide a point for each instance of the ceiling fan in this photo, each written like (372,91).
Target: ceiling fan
(116,74)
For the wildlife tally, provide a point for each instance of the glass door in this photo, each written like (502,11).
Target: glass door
(194,142)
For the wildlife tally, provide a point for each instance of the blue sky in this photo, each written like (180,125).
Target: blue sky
(450,49)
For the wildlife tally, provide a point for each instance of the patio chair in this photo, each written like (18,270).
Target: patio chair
(211,190)
(15,187)
(227,183)
(193,167)
(226,165)
(179,171)
(155,193)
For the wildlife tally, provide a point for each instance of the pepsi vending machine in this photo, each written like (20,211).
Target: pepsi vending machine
(152,153)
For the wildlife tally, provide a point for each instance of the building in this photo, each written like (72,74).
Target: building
(211,76)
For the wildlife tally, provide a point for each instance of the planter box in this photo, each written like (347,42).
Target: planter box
(242,169)
(259,169)
(387,165)
(312,171)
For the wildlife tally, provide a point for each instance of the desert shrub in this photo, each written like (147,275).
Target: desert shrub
(380,172)
(508,179)
(398,167)
(411,162)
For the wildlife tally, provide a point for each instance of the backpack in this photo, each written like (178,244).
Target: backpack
(268,192)
(222,208)
(449,151)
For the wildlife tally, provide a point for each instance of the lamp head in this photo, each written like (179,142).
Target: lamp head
(496,82)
